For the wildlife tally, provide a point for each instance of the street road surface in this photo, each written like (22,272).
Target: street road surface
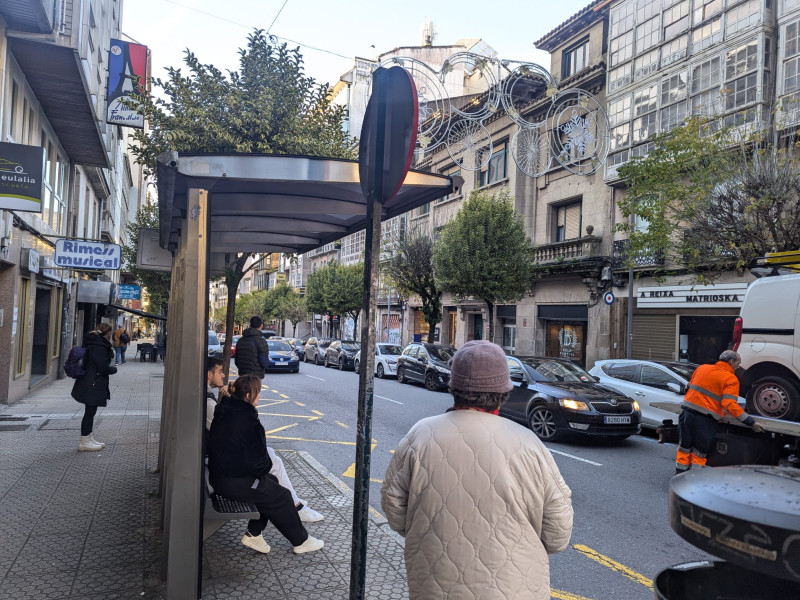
(621,538)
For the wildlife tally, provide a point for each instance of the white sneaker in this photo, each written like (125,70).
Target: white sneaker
(309,515)
(312,544)
(256,542)
(101,444)
(87,444)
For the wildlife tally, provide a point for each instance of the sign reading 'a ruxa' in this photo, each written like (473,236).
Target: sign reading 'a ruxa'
(79,255)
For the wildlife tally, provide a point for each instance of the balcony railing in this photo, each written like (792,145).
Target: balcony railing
(619,257)
(569,250)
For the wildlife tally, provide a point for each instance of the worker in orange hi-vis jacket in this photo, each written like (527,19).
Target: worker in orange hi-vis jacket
(713,390)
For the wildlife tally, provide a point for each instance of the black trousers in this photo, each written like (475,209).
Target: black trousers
(698,432)
(274,503)
(87,422)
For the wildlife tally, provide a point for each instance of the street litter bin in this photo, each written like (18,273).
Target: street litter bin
(720,580)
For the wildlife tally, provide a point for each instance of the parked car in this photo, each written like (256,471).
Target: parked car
(342,354)
(221,338)
(297,345)
(234,339)
(268,333)
(214,347)
(555,398)
(646,381)
(425,363)
(385,359)
(282,356)
(315,350)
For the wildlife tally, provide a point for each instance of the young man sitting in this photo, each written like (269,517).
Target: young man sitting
(215,380)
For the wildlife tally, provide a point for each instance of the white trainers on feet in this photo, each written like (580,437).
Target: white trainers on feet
(309,515)
(312,544)
(256,542)
(101,444)
(87,444)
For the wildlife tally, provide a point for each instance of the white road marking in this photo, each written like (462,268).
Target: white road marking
(591,462)
(312,377)
(389,399)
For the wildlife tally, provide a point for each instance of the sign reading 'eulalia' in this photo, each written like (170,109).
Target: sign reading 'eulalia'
(81,255)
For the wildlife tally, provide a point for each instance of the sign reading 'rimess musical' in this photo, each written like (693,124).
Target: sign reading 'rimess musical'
(80,255)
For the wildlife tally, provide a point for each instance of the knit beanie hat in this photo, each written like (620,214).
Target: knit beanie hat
(480,366)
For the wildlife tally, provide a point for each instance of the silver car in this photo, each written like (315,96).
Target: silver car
(385,359)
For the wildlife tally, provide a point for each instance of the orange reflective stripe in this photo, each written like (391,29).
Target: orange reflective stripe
(698,460)
(683,458)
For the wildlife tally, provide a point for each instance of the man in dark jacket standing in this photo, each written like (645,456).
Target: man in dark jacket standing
(249,347)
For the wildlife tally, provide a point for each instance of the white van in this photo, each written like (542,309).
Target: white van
(766,336)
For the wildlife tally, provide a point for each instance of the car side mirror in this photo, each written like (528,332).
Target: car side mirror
(678,388)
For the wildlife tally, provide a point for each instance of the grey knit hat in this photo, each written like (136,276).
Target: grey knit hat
(480,366)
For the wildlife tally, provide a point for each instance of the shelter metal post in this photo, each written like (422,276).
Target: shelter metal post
(187,351)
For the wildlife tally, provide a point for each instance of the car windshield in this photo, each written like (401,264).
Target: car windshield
(557,370)
(443,354)
(685,370)
(392,349)
(324,343)
(212,339)
(278,345)
(351,346)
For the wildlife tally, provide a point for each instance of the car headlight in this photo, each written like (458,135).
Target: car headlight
(572,404)
(441,369)
(636,406)
(391,361)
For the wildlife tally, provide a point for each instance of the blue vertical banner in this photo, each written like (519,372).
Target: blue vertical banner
(127,73)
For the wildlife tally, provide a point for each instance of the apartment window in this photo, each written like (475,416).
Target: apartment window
(31,128)
(674,51)
(791,70)
(673,116)
(619,77)
(644,127)
(705,9)
(620,137)
(707,103)
(790,4)
(14,101)
(567,219)
(495,170)
(621,19)
(643,150)
(647,35)
(619,111)
(646,9)
(742,16)
(424,209)
(741,91)
(706,35)
(676,19)
(705,75)
(644,100)
(741,60)
(621,48)
(646,64)
(450,172)
(673,88)
(575,60)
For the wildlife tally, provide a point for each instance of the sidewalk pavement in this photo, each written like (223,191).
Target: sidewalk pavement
(87,525)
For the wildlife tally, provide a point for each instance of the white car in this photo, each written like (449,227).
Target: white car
(646,381)
(385,359)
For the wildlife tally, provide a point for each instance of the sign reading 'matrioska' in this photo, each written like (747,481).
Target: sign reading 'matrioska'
(80,255)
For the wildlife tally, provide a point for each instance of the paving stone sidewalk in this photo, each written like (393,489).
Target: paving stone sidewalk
(86,525)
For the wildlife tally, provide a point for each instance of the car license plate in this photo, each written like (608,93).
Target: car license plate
(616,420)
(280,364)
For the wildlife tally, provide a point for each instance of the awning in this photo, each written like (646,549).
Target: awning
(137,312)
(277,203)
(56,76)
(28,15)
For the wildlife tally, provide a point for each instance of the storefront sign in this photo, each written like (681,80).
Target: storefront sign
(29,260)
(721,295)
(127,70)
(21,177)
(48,269)
(80,255)
(130,292)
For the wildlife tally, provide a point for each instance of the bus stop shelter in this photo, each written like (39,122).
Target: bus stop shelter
(216,204)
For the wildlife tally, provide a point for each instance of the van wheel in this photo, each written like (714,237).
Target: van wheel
(774,397)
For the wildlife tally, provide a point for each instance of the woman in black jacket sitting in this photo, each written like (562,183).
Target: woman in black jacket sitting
(239,466)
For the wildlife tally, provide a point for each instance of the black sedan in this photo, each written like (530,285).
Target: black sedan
(425,363)
(342,354)
(555,398)
(282,357)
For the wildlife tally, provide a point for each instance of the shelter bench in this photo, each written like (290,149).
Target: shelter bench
(219,509)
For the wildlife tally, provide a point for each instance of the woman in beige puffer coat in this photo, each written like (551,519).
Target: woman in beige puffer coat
(478,498)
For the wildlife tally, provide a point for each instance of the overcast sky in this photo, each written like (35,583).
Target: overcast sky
(215,30)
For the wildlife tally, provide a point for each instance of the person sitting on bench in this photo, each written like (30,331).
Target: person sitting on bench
(215,380)
(239,468)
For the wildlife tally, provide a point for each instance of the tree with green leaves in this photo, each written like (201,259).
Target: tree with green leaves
(344,292)
(484,252)
(293,309)
(268,106)
(709,201)
(315,289)
(411,270)
(157,283)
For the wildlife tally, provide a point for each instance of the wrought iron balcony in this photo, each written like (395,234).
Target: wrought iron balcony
(619,257)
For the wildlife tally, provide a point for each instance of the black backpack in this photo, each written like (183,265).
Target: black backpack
(75,366)
(124,338)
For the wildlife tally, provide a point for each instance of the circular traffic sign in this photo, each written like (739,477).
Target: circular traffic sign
(608,297)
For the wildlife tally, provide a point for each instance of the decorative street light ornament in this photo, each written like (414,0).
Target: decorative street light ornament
(469,144)
(520,87)
(531,150)
(474,70)
(578,131)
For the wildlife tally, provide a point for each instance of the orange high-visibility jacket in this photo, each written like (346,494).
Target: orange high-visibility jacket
(713,390)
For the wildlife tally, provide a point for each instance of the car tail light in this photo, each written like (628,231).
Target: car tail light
(737,333)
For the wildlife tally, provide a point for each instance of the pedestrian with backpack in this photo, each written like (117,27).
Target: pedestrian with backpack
(252,351)
(121,341)
(91,388)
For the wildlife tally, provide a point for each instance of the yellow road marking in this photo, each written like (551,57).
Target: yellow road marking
(280,428)
(283,395)
(316,412)
(614,565)
(271,403)
(310,418)
(299,403)
(391,451)
(342,424)
(297,439)
(561,595)
(275,391)
(351,473)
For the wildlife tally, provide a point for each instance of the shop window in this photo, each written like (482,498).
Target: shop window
(55,323)
(575,59)
(567,220)
(21,338)
(566,340)
(495,170)
(509,335)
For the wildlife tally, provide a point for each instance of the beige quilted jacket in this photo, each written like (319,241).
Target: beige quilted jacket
(481,504)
